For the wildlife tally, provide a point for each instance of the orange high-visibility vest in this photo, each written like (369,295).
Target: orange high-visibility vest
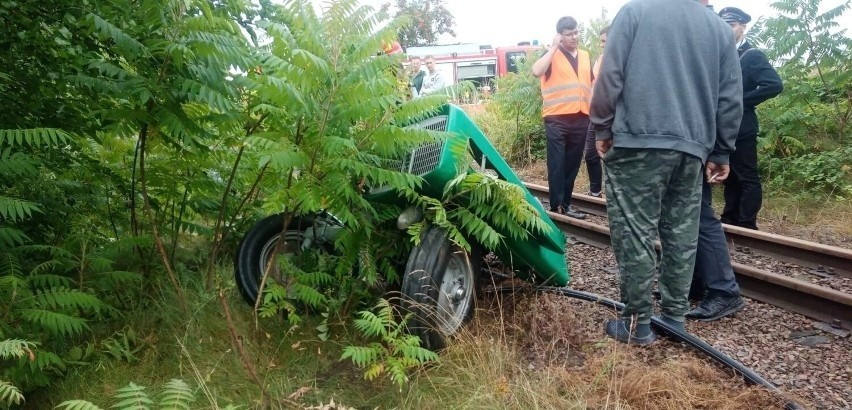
(565,91)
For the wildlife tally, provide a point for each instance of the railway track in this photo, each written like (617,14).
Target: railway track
(814,301)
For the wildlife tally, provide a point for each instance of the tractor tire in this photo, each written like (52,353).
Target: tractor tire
(439,288)
(258,247)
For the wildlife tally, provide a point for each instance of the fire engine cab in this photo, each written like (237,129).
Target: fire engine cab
(479,64)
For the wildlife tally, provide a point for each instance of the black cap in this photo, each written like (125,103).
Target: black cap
(734,15)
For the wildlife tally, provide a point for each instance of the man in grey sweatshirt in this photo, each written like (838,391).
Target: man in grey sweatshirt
(667,104)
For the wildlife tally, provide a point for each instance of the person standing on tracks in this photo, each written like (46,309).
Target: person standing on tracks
(565,74)
(659,112)
(593,160)
(743,192)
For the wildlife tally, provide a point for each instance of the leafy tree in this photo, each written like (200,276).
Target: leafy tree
(816,65)
(427,20)
(806,131)
(518,100)
(591,34)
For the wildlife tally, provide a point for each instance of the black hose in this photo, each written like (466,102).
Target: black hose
(749,375)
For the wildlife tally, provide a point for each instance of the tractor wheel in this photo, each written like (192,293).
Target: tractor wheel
(439,288)
(257,250)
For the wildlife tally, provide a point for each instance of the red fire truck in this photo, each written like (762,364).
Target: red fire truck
(471,62)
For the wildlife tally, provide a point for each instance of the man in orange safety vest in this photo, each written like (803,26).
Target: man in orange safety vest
(566,77)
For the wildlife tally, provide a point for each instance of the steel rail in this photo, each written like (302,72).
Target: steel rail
(826,260)
(813,301)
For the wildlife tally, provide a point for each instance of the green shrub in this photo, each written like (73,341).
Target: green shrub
(826,173)
(512,119)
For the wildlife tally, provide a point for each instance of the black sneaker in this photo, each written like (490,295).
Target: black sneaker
(574,212)
(595,194)
(571,211)
(715,308)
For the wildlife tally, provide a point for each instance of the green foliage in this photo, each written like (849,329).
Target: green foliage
(33,137)
(394,353)
(9,394)
(816,68)
(477,207)
(513,118)
(328,135)
(426,21)
(42,302)
(176,394)
(591,34)
(805,130)
(826,173)
(12,348)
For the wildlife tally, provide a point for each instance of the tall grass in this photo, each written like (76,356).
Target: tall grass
(520,352)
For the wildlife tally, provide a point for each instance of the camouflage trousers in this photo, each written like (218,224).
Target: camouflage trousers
(651,192)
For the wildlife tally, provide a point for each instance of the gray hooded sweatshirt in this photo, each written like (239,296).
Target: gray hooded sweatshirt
(670,79)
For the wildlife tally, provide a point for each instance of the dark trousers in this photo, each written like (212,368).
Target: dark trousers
(593,163)
(566,137)
(712,261)
(743,193)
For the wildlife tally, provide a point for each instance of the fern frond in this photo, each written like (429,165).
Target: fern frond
(33,137)
(412,349)
(199,92)
(308,294)
(17,165)
(54,322)
(374,371)
(77,405)
(39,280)
(11,237)
(13,284)
(362,356)
(107,30)
(96,84)
(108,69)
(14,348)
(9,394)
(118,277)
(476,227)
(134,397)
(397,370)
(370,324)
(16,209)
(62,298)
(176,395)
(46,360)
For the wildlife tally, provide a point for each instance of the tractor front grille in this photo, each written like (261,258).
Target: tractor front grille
(425,158)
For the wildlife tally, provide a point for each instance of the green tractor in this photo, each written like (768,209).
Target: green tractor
(439,279)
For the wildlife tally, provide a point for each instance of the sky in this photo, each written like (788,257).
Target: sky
(507,22)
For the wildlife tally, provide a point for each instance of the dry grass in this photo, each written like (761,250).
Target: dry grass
(546,352)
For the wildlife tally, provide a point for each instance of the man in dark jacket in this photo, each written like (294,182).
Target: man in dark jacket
(743,193)
(656,124)
(417,75)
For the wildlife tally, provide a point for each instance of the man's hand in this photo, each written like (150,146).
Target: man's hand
(716,173)
(603,147)
(556,41)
